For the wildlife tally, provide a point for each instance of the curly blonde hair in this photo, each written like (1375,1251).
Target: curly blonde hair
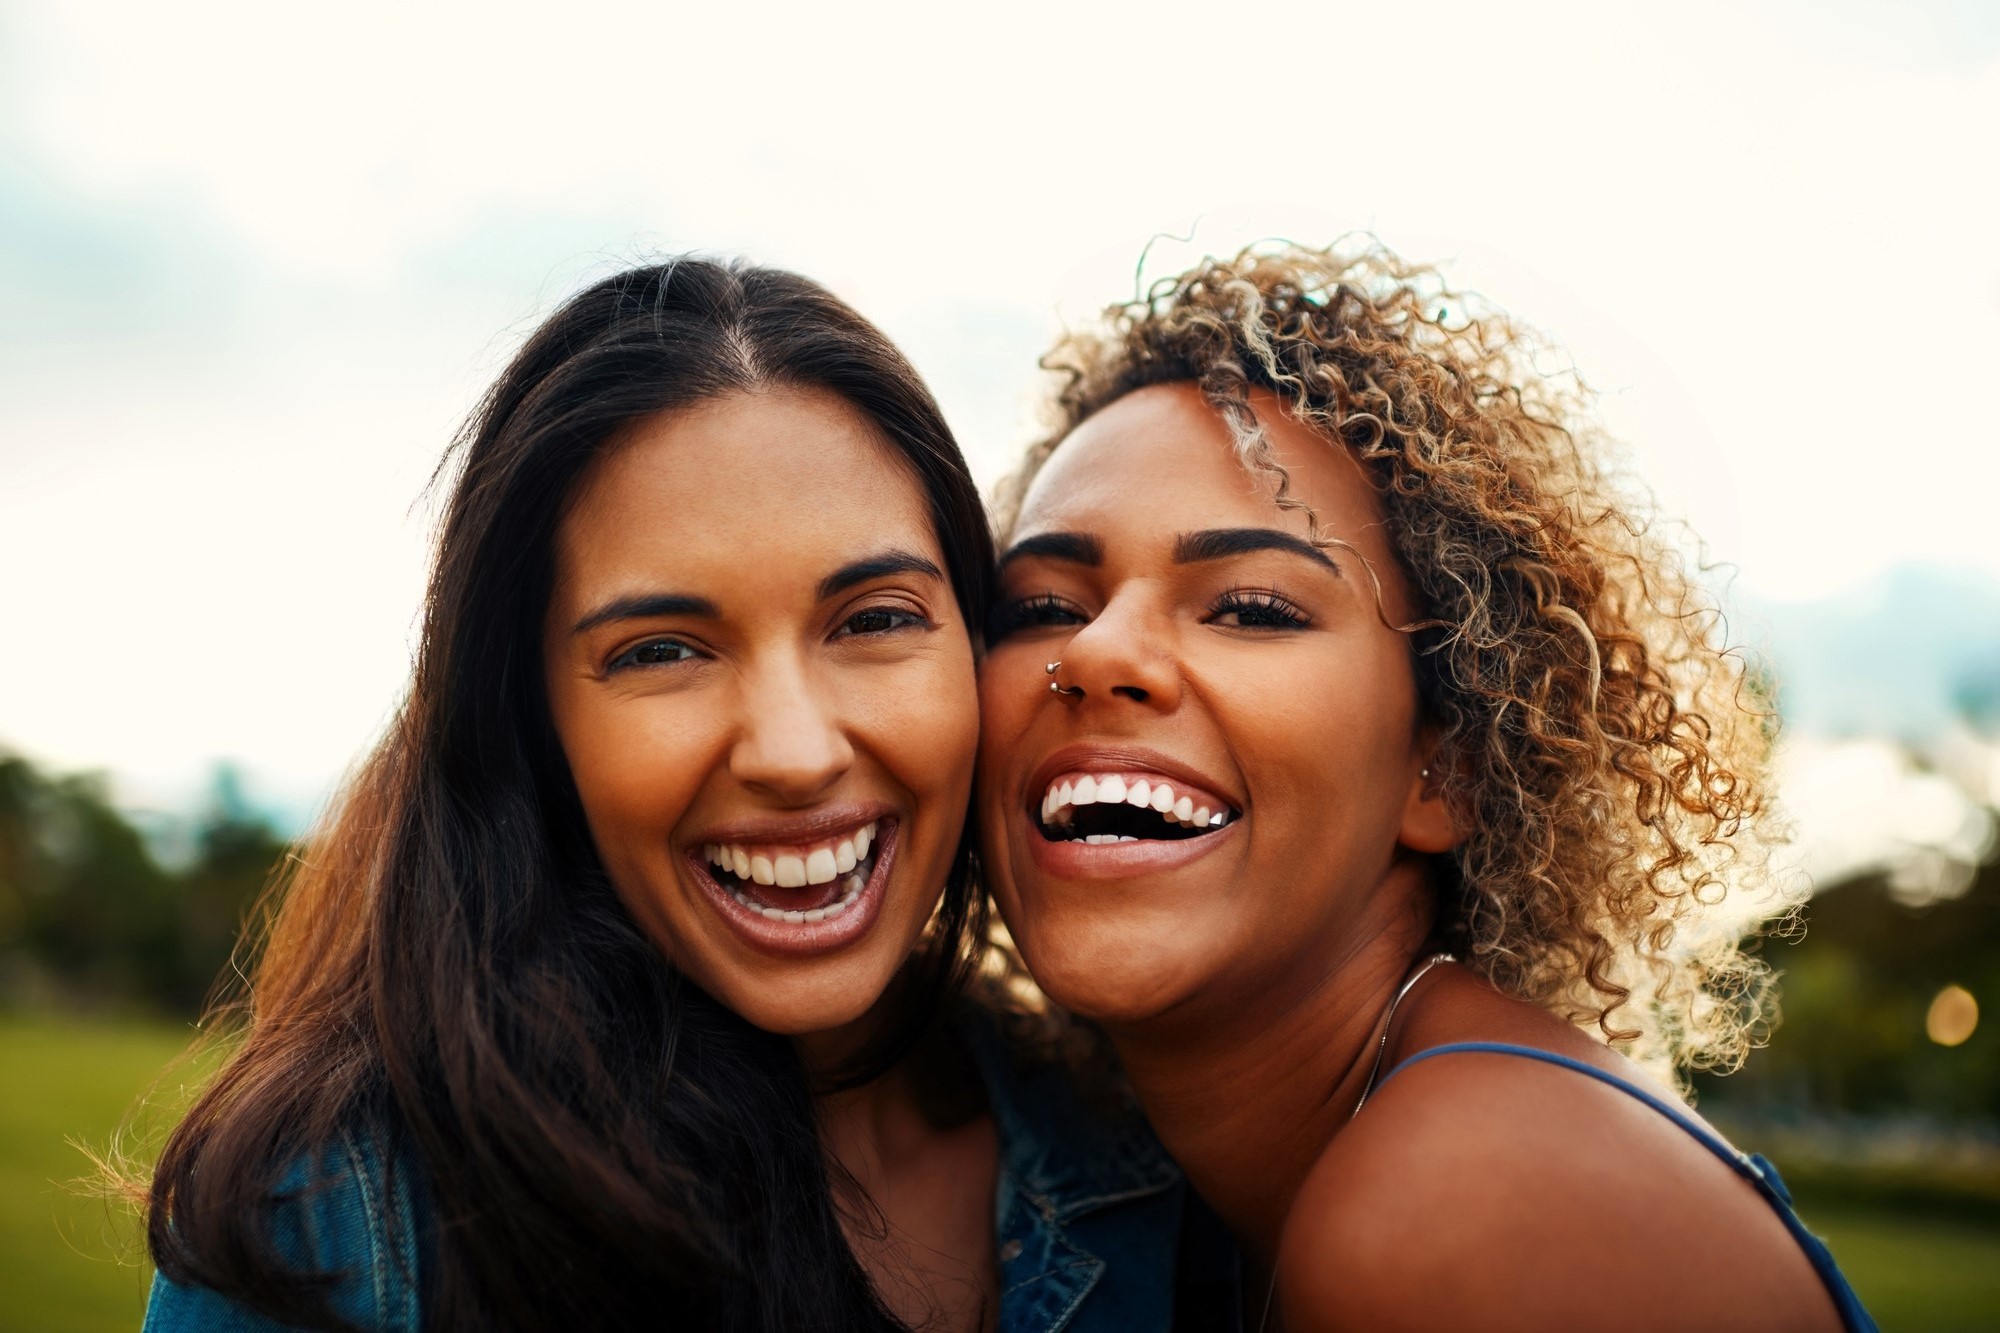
(1603,750)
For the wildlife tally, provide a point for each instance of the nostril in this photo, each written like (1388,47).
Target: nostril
(1132,692)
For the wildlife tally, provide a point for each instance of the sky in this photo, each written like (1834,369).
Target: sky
(257,261)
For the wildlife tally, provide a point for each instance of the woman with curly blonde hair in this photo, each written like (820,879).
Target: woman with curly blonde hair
(1360,758)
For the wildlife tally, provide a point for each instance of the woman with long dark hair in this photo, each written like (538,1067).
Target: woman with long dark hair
(1364,762)
(619,986)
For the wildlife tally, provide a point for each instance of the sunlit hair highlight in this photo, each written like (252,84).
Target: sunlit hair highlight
(1600,746)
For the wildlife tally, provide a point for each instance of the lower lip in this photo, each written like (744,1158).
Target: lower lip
(1122,860)
(798,939)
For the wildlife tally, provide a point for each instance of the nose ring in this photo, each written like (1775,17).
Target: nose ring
(1057,687)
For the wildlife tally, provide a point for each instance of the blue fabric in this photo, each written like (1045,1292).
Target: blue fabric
(336,1210)
(1751,1166)
(1087,1215)
(1087,1211)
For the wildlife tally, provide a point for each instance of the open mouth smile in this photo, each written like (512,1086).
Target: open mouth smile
(802,897)
(796,884)
(1114,807)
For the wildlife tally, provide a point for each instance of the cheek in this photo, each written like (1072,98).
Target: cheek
(1332,738)
(925,725)
(636,772)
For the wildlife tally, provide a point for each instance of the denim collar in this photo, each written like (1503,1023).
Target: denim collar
(1061,1162)
(1070,1157)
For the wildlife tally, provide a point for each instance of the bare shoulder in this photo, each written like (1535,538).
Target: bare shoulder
(1496,1191)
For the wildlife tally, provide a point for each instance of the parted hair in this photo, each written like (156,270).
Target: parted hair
(1601,747)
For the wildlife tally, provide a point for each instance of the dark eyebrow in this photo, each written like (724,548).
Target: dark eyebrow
(1221,543)
(875,567)
(645,607)
(1079,548)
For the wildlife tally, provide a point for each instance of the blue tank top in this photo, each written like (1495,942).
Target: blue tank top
(1752,1167)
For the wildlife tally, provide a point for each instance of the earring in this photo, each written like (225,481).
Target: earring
(1057,687)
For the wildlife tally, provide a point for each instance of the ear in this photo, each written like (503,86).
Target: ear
(1428,825)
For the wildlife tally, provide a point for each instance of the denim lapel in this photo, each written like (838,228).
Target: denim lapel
(1060,1160)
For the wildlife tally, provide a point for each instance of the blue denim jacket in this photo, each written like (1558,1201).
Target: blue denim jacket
(1087,1215)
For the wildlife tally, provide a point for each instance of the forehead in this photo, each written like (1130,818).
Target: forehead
(766,488)
(1160,461)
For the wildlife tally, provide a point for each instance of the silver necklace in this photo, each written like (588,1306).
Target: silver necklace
(1374,1072)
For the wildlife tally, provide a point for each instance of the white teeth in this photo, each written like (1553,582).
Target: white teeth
(836,909)
(863,841)
(739,861)
(760,870)
(1064,795)
(819,867)
(791,871)
(843,856)
(817,914)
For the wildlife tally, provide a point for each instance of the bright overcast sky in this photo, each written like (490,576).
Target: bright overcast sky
(256,260)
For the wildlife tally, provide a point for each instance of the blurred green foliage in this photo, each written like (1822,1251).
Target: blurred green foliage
(88,914)
(1855,993)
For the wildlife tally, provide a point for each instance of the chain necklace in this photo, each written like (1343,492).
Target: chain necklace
(1374,1072)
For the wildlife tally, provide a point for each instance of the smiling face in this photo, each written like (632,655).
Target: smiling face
(764,688)
(1224,661)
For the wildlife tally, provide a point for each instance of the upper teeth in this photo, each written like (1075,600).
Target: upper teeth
(1074,789)
(794,866)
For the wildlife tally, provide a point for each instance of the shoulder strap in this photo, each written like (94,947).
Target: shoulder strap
(1760,1173)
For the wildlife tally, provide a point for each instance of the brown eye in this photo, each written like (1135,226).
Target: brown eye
(1256,610)
(653,652)
(1044,610)
(881,620)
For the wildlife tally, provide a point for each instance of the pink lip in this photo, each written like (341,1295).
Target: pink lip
(805,938)
(1102,758)
(796,830)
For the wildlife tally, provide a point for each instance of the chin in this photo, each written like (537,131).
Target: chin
(1112,971)
(801,1015)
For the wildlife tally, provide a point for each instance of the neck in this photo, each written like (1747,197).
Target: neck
(1246,1090)
(869,1129)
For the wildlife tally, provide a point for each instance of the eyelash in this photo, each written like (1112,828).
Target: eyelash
(903,616)
(629,659)
(1039,611)
(1273,611)
(900,617)
(1256,609)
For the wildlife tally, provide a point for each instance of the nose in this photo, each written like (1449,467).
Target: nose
(1125,653)
(791,744)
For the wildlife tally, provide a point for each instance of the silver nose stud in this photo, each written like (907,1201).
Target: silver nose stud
(1057,687)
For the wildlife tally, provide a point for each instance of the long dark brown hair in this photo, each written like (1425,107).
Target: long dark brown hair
(448,973)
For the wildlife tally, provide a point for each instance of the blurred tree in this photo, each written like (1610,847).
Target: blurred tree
(87,910)
(1856,992)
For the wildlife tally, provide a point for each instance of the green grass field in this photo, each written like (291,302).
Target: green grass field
(70,1263)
